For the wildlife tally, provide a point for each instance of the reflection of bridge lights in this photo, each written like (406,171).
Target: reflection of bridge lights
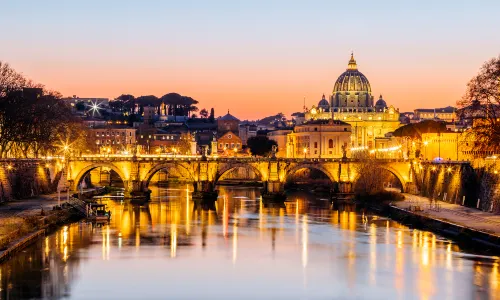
(449,170)
(433,168)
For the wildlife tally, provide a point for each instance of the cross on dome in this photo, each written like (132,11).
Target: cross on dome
(352,63)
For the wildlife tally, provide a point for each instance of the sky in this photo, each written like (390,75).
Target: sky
(253,58)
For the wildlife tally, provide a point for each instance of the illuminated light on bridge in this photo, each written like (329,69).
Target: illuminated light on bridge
(390,149)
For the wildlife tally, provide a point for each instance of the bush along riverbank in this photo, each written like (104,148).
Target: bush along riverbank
(466,237)
(18,232)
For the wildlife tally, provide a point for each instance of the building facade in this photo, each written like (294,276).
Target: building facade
(352,102)
(319,139)
(280,137)
(112,139)
(447,114)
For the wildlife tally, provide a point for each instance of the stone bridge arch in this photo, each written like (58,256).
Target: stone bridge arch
(320,167)
(227,167)
(86,169)
(180,167)
(401,178)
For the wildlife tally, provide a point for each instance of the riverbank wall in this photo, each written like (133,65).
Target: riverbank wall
(470,237)
(45,224)
(21,179)
(477,187)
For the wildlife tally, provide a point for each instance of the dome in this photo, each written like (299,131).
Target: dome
(381,102)
(352,80)
(323,103)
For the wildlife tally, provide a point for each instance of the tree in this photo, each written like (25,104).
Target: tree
(183,145)
(204,113)
(179,105)
(260,145)
(80,106)
(212,115)
(125,97)
(33,120)
(371,177)
(481,103)
(415,130)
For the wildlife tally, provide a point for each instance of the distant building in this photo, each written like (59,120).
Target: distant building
(447,114)
(88,102)
(112,139)
(229,144)
(227,123)
(280,137)
(319,139)
(352,102)
(247,131)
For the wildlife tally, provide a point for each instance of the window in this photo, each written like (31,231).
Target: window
(315,129)
(330,144)
(232,145)
(227,145)
(229,136)
(220,145)
(345,129)
(315,144)
(237,145)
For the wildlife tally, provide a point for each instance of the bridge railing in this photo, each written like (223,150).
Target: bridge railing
(246,159)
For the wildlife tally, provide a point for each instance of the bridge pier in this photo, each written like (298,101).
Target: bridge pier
(273,191)
(204,192)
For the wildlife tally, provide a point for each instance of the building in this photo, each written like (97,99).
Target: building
(88,102)
(227,123)
(352,102)
(112,139)
(319,139)
(280,137)
(447,114)
(228,141)
(247,131)
(229,144)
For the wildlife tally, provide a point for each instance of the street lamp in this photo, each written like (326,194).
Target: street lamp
(425,149)
(235,151)
(305,152)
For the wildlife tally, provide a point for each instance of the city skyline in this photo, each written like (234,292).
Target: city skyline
(254,59)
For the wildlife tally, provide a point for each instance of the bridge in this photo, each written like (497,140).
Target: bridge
(205,172)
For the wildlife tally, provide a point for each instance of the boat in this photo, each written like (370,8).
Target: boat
(98,213)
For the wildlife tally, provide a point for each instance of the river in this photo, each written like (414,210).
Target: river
(243,249)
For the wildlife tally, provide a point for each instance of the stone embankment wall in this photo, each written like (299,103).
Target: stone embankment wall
(20,179)
(462,185)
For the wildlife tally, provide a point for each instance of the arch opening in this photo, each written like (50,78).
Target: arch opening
(310,178)
(165,174)
(239,174)
(99,176)
(372,180)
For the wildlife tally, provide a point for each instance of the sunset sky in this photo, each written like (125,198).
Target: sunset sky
(255,58)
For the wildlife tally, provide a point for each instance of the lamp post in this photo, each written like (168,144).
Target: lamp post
(425,149)
(66,150)
(305,152)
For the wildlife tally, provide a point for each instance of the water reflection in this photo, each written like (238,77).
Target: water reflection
(241,247)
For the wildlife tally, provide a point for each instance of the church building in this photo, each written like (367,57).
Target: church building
(352,102)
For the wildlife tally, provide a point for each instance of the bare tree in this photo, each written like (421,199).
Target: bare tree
(481,103)
(371,176)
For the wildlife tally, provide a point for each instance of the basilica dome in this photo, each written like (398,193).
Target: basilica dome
(381,102)
(352,80)
(352,89)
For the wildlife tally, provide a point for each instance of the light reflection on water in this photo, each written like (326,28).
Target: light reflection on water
(170,248)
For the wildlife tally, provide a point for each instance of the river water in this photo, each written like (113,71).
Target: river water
(170,249)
